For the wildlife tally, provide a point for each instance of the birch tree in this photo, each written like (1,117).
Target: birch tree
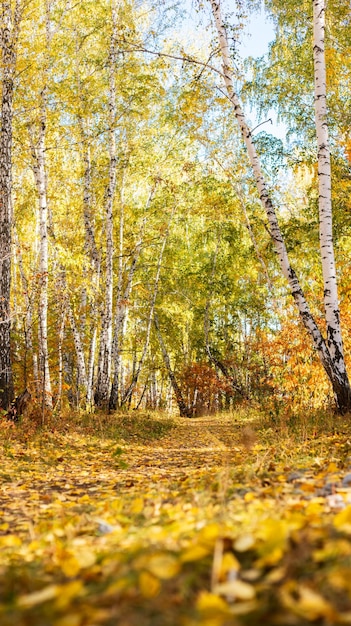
(38,154)
(330,352)
(38,149)
(105,353)
(331,300)
(8,40)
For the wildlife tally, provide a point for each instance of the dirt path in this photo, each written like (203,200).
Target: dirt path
(146,529)
(63,469)
(194,450)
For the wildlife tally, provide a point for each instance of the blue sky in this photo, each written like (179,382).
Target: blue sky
(258,34)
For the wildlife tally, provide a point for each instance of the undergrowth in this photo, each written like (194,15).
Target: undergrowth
(141,426)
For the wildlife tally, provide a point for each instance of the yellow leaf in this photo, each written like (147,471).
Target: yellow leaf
(67,592)
(307,487)
(332,468)
(70,566)
(274,534)
(237,589)
(229,563)
(38,597)
(195,553)
(211,604)
(305,602)
(275,575)
(149,585)
(315,507)
(10,541)
(163,566)
(137,506)
(116,587)
(85,557)
(210,533)
(342,521)
(249,497)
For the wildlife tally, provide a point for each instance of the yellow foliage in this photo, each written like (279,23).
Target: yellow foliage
(149,585)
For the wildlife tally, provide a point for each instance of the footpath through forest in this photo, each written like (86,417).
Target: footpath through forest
(139,521)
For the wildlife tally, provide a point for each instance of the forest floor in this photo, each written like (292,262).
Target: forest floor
(145,521)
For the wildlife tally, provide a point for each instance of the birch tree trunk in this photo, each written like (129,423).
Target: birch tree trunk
(105,352)
(60,361)
(38,149)
(331,365)
(94,258)
(39,168)
(8,40)
(28,319)
(81,368)
(331,301)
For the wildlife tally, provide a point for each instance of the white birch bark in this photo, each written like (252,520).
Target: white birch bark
(338,382)
(95,261)
(331,302)
(38,150)
(39,168)
(105,352)
(91,367)
(8,40)
(90,243)
(61,333)
(81,367)
(28,318)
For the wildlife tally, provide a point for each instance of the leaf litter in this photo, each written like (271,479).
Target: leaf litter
(210,522)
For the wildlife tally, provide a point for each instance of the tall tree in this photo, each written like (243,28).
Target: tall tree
(331,301)
(105,354)
(330,356)
(38,149)
(8,41)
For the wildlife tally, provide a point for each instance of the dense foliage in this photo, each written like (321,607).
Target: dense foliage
(128,167)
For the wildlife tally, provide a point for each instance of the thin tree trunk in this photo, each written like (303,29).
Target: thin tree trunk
(82,375)
(184,410)
(39,168)
(90,243)
(339,383)
(8,39)
(28,319)
(60,361)
(105,353)
(95,261)
(121,306)
(91,364)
